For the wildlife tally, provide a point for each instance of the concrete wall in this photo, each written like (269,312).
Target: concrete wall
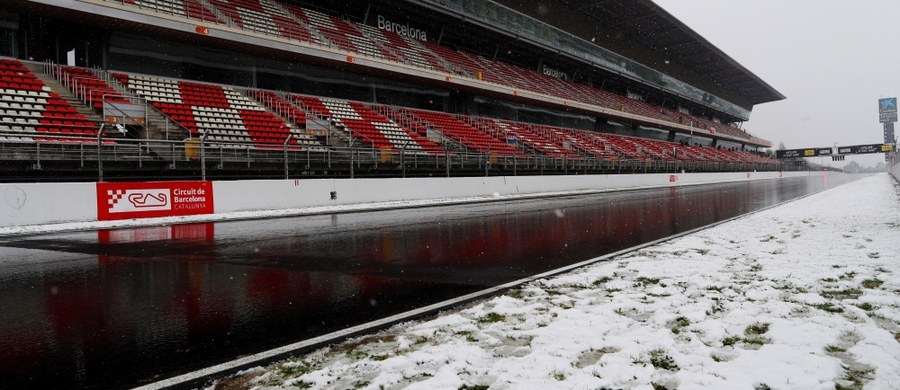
(45,203)
(266,195)
(895,171)
(35,204)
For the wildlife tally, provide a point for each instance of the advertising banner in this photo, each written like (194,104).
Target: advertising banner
(153,199)
(887,110)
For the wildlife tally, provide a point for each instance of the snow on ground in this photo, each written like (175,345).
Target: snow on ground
(802,296)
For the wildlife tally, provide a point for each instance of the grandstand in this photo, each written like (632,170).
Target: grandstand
(272,88)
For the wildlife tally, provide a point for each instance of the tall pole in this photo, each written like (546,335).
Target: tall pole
(203,157)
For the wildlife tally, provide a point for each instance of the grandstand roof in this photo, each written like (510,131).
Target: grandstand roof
(646,23)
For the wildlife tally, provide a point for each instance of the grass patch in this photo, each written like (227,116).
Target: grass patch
(602,280)
(292,369)
(755,340)
(757,329)
(474,387)
(882,270)
(829,280)
(559,375)
(857,377)
(847,293)
(657,386)
(645,281)
(872,283)
(762,386)
(874,255)
(468,335)
(829,307)
(866,306)
(733,340)
(516,294)
(767,239)
(360,384)
(848,276)
(715,288)
(834,349)
(357,354)
(492,318)
(680,323)
(757,267)
(660,359)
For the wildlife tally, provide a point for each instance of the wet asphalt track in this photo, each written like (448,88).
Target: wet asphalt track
(114,309)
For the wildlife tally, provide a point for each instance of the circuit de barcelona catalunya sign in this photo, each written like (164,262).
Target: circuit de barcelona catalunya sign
(153,199)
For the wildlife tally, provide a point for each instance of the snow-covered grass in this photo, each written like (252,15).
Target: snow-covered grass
(805,295)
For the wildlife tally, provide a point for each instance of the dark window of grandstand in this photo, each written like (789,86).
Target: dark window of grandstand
(523,113)
(690,139)
(9,25)
(7,43)
(152,56)
(332,82)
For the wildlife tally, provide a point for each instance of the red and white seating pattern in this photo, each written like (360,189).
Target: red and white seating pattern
(363,123)
(31,111)
(280,105)
(344,36)
(185,8)
(409,50)
(575,139)
(470,137)
(82,80)
(510,132)
(534,139)
(293,22)
(222,113)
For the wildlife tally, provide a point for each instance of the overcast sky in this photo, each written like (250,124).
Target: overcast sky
(833,59)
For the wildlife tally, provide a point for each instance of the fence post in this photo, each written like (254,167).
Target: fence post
(99,153)
(286,141)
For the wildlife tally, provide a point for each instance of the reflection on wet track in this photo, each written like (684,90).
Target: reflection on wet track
(114,309)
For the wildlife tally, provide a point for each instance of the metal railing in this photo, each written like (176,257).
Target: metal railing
(43,156)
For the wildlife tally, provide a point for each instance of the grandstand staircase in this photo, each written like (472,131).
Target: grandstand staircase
(219,14)
(64,92)
(158,124)
(151,132)
(294,126)
(408,121)
(380,45)
(314,32)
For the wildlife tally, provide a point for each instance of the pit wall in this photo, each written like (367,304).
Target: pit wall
(52,203)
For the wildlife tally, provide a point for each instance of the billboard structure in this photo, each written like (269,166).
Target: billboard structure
(887,110)
(887,115)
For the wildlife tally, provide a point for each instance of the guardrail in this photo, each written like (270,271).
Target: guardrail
(44,156)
